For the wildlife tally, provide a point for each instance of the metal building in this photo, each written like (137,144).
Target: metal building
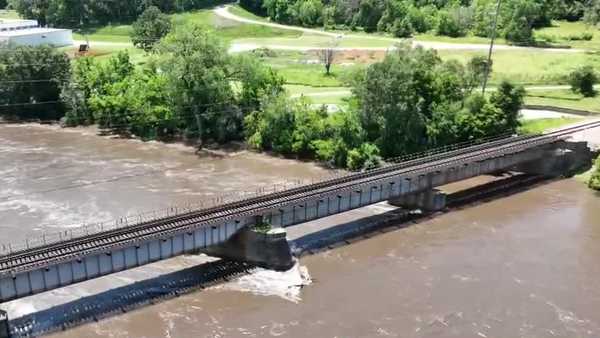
(28,33)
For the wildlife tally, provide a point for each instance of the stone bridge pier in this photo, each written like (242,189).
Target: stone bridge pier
(4,329)
(565,159)
(428,200)
(267,249)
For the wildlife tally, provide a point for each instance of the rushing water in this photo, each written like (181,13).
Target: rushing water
(521,266)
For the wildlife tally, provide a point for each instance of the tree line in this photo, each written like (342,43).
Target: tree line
(192,89)
(89,13)
(453,18)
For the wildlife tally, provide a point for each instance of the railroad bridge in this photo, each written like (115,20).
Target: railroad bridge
(40,268)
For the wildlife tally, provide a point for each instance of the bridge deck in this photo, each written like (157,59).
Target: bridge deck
(105,241)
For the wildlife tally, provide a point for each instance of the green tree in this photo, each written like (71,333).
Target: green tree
(32,9)
(199,73)
(402,28)
(592,12)
(91,78)
(149,28)
(364,157)
(583,79)
(395,98)
(518,27)
(369,15)
(31,79)
(509,99)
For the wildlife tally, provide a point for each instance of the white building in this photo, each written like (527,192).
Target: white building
(28,33)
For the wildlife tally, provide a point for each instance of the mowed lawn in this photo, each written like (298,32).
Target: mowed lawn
(530,67)
(563,98)
(539,126)
(570,33)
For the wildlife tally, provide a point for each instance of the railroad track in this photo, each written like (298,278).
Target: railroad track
(105,241)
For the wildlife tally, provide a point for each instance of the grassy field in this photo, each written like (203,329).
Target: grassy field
(226,29)
(530,67)
(523,67)
(568,33)
(538,126)
(563,98)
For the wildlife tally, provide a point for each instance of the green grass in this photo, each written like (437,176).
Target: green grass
(564,99)
(308,40)
(298,68)
(464,39)
(562,33)
(529,67)
(9,14)
(539,126)
(300,89)
(239,11)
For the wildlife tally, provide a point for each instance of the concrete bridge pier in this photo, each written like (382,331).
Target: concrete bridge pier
(564,160)
(4,331)
(267,249)
(428,200)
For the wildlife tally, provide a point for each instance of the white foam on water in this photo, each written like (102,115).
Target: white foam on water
(287,284)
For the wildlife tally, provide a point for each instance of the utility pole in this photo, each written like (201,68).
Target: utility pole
(489,60)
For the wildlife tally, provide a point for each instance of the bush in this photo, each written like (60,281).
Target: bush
(402,28)
(454,22)
(365,157)
(582,80)
(594,182)
(586,36)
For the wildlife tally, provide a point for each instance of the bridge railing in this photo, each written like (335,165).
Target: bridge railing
(80,231)
(148,216)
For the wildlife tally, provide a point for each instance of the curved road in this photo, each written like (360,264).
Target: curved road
(223,11)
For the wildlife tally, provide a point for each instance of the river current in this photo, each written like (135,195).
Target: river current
(521,266)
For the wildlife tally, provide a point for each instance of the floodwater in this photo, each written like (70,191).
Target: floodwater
(522,266)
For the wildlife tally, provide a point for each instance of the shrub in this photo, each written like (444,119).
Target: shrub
(582,80)
(455,22)
(402,28)
(364,157)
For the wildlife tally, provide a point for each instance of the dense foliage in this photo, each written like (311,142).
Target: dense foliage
(149,28)
(84,13)
(403,18)
(191,89)
(583,79)
(3,4)
(594,182)
(31,79)
(409,102)
(412,100)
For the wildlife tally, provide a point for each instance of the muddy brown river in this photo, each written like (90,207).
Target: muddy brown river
(527,265)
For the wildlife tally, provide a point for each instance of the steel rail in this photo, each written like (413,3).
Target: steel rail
(271,196)
(177,222)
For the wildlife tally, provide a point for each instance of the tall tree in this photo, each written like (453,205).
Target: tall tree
(31,79)
(149,28)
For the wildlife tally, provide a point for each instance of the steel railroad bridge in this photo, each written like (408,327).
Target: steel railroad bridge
(45,267)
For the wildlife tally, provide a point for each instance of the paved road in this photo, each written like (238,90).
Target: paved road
(223,11)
